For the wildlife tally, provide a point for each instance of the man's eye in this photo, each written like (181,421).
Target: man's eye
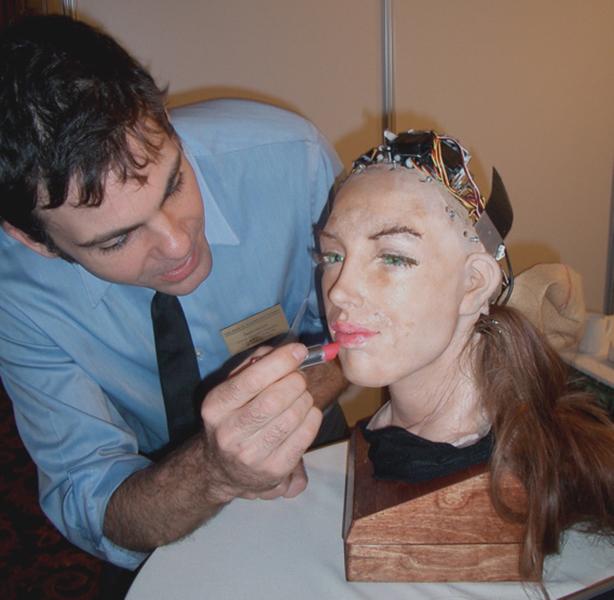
(177,185)
(116,245)
(396,260)
(328,258)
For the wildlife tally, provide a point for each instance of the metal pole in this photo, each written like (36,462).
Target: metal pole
(70,8)
(608,303)
(388,119)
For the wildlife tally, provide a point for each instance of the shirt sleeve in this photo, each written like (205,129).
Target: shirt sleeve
(82,446)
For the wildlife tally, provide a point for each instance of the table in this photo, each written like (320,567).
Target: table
(292,549)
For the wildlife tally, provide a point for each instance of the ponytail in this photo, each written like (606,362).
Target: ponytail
(558,443)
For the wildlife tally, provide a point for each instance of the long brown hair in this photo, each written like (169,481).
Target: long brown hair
(558,442)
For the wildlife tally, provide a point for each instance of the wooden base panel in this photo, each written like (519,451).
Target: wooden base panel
(441,530)
(440,562)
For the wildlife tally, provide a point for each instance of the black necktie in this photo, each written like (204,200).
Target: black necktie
(177,365)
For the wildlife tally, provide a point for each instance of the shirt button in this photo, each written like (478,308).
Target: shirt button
(198,353)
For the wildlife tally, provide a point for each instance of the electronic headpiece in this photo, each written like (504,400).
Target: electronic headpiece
(444,159)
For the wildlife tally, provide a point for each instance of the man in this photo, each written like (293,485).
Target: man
(106,206)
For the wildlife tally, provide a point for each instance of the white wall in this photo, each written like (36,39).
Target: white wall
(527,85)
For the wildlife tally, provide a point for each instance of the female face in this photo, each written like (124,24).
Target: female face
(393,275)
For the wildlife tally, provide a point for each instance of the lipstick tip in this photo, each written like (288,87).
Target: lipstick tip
(331,350)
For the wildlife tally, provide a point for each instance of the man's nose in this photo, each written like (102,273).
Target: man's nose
(173,241)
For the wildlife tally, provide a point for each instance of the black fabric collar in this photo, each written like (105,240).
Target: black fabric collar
(397,454)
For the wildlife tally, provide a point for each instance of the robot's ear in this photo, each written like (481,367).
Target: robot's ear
(482,279)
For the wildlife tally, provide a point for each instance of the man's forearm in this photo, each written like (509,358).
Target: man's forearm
(325,382)
(163,502)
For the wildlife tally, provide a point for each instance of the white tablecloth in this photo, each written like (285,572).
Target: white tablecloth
(293,550)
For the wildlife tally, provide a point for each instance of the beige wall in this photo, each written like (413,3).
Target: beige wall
(527,85)
(320,58)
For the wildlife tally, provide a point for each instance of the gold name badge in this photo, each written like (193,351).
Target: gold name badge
(255,329)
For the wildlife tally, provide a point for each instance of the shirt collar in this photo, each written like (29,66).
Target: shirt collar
(217,230)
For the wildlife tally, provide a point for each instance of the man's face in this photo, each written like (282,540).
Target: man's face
(393,275)
(149,235)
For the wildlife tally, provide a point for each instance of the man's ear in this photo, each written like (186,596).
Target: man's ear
(23,238)
(482,278)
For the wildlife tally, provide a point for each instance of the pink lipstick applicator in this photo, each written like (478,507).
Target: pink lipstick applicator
(316,355)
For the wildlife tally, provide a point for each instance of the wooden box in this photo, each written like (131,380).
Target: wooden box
(441,530)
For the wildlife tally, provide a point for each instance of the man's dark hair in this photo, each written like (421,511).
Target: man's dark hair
(72,104)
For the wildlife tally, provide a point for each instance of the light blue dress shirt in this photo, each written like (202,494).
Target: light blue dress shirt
(77,353)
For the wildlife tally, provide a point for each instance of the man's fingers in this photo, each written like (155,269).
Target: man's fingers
(292,485)
(238,426)
(254,378)
(251,359)
(255,467)
(289,453)
(301,438)
(298,481)
(259,423)
(262,426)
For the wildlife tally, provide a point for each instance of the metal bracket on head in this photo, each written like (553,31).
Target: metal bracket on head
(496,220)
(489,236)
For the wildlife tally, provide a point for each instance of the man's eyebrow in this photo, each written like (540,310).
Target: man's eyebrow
(396,230)
(170,183)
(172,178)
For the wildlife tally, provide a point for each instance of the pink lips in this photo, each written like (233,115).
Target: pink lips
(349,335)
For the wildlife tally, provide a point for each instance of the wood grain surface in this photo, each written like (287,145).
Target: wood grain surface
(445,529)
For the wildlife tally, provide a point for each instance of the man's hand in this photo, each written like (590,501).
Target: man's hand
(258,425)
(291,486)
